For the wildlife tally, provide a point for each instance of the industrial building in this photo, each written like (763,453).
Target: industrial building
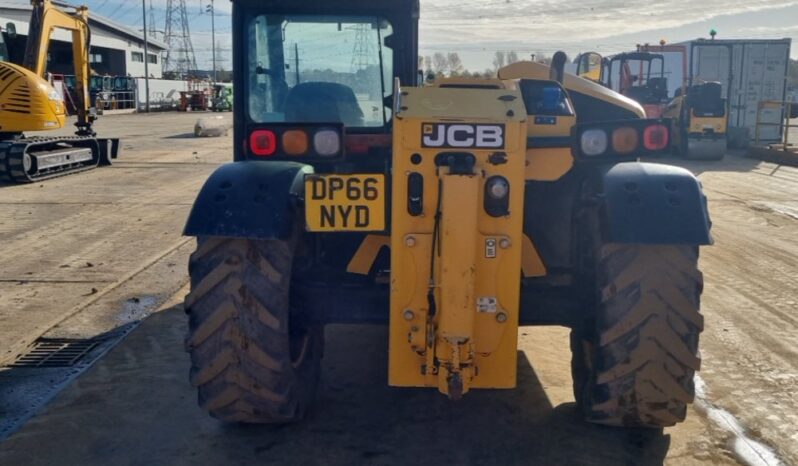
(116,50)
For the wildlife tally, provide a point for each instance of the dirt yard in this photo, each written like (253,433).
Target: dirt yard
(95,254)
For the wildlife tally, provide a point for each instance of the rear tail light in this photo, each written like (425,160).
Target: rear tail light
(263,142)
(625,140)
(594,142)
(327,142)
(295,142)
(655,137)
(292,140)
(622,139)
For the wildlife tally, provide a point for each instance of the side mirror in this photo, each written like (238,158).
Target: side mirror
(11,30)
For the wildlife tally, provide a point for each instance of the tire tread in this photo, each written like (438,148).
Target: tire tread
(645,341)
(238,333)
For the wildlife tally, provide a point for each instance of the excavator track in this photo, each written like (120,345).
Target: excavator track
(27,160)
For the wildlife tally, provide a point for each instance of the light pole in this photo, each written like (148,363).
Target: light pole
(212,11)
(146,59)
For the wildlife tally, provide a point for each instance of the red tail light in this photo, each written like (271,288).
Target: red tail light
(655,137)
(263,142)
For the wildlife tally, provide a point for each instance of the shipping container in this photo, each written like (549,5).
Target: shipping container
(750,70)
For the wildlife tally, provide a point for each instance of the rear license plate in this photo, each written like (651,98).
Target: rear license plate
(345,202)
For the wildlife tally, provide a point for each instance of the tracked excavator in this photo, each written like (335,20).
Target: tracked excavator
(28,102)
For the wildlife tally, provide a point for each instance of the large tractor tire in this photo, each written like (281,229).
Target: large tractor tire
(249,361)
(633,364)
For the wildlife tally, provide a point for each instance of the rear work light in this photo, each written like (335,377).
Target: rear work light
(594,142)
(263,142)
(655,137)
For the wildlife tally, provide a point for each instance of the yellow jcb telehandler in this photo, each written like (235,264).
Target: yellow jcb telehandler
(454,213)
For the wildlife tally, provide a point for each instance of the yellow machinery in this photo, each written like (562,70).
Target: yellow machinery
(448,257)
(28,102)
(700,121)
(697,111)
(589,65)
(454,213)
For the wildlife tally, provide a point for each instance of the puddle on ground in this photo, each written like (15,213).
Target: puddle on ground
(748,450)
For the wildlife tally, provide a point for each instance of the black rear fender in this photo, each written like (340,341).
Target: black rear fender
(648,203)
(255,200)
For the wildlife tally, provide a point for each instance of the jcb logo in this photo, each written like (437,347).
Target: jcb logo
(460,136)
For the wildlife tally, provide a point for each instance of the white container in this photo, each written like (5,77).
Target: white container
(750,70)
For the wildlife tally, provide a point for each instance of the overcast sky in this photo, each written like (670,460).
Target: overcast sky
(478,28)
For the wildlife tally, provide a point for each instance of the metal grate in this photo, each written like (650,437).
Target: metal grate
(56,352)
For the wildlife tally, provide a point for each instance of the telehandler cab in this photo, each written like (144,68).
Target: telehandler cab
(453,213)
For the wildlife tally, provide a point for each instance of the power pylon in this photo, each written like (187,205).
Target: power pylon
(364,53)
(151,22)
(180,57)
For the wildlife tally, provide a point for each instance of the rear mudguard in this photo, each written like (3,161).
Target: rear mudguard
(647,203)
(255,200)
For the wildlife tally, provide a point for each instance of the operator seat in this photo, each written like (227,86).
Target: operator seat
(659,88)
(323,102)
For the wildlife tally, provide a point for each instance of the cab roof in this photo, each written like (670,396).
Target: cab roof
(641,56)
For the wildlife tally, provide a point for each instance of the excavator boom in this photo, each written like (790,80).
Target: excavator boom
(45,18)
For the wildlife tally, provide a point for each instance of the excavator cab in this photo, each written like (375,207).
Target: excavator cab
(641,77)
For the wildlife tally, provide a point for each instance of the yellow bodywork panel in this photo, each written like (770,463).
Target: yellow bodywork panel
(549,163)
(532,70)
(700,124)
(455,269)
(367,253)
(475,83)
(28,102)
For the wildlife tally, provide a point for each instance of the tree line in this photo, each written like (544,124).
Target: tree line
(450,64)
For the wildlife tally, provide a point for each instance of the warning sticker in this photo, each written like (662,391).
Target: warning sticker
(487,304)
(490,248)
